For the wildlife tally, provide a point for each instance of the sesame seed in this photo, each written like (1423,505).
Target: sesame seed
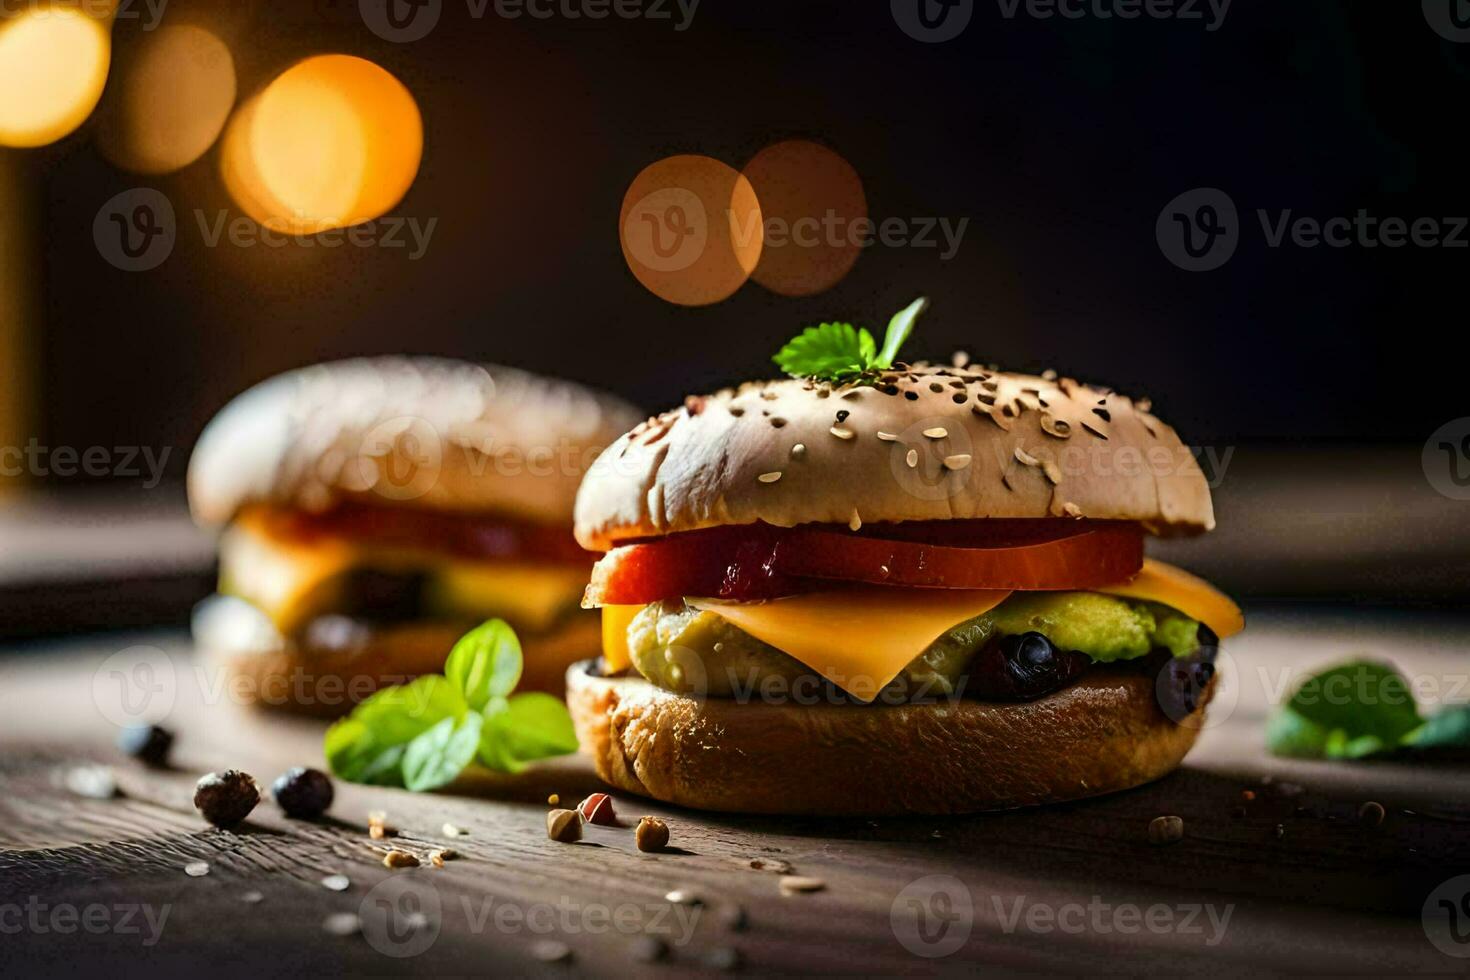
(938,432)
(1071,509)
(1103,414)
(887,436)
(1025,458)
(1094,430)
(842,415)
(1052,470)
(957,462)
(798,451)
(959,399)
(912,396)
(960,359)
(856,523)
(736,411)
(769,477)
(935,386)
(842,433)
(778,422)
(1049,375)
(912,458)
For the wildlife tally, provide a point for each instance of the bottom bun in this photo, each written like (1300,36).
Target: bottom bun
(1100,735)
(265,670)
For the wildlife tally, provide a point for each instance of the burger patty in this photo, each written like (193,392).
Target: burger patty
(1030,645)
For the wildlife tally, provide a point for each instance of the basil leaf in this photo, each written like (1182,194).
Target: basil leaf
(523,729)
(828,350)
(1359,698)
(899,330)
(1447,729)
(396,715)
(1289,734)
(439,755)
(354,753)
(485,663)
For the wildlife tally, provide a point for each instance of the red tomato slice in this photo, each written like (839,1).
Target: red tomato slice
(760,561)
(1086,559)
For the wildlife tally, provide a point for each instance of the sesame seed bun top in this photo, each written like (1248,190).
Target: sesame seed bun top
(920,442)
(404,431)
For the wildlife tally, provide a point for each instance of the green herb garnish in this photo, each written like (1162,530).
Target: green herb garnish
(422,735)
(1361,709)
(841,352)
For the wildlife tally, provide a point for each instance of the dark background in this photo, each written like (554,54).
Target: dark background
(1060,140)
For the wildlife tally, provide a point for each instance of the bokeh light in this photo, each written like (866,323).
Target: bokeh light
(334,141)
(691,229)
(168,101)
(815,212)
(53,67)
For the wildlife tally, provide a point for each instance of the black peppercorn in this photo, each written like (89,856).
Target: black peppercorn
(148,744)
(226,798)
(303,792)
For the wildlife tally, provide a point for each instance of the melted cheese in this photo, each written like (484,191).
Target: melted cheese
(859,639)
(1168,585)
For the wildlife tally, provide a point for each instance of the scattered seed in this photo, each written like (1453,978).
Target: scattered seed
(683,896)
(226,798)
(771,477)
(912,458)
(342,924)
(776,865)
(598,809)
(336,883)
(196,869)
(648,949)
(149,744)
(252,898)
(842,433)
(652,835)
(957,462)
(799,884)
(554,799)
(1165,830)
(438,856)
(92,782)
(450,830)
(378,825)
(1371,813)
(399,859)
(1247,794)
(1280,831)
(564,826)
(938,432)
(887,436)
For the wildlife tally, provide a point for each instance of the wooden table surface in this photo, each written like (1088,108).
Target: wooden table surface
(1289,880)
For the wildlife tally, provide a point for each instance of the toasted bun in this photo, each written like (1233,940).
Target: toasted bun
(924,443)
(422,431)
(267,670)
(1102,734)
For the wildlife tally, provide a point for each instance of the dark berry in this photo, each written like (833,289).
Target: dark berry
(226,798)
(1183,681)
(303,792)
(148,744)
(1023,667)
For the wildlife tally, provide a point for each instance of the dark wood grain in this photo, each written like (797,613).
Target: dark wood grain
(1324,893)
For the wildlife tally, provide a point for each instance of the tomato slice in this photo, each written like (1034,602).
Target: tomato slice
(1082,560)
(761,562)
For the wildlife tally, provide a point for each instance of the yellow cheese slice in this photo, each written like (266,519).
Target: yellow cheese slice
(860,638)
(287,580)
(615,623)
(1168,585)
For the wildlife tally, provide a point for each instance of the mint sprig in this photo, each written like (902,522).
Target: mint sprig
(424,734)
(840,351)
(1361,709)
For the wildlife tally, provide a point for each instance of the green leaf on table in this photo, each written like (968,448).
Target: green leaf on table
(485,663)
(439,755)
(1351,711)
(524,729)
(1449,728)
(422,735)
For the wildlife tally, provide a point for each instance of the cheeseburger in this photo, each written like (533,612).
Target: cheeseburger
(879,587)
(374,510)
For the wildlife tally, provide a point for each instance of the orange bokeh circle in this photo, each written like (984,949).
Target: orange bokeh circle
(815,211)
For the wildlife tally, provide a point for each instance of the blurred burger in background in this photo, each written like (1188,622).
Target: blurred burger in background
(373,510)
